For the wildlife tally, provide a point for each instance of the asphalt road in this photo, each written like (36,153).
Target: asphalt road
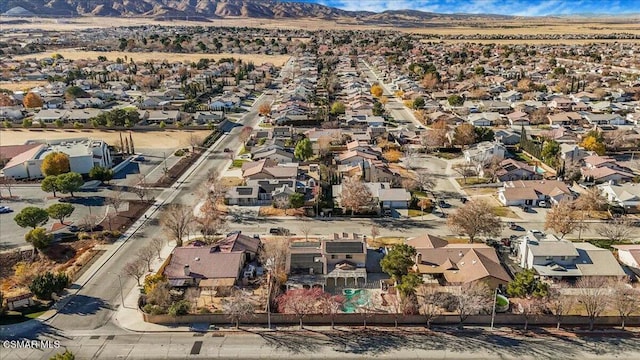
(344,343)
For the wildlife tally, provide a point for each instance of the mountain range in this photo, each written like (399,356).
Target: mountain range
(211,9)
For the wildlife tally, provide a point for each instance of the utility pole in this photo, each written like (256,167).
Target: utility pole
(493,310)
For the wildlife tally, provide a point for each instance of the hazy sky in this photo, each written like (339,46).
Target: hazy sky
(505,7)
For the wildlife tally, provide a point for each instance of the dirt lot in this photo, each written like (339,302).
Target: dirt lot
(142,139)
(443,26)
(73,54)
(22,85)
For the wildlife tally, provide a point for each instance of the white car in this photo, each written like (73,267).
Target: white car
(542,204)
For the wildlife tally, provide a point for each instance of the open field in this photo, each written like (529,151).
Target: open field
(73,54)
(22,85)
(142,139)
(443,26)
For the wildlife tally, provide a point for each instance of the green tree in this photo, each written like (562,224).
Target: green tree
(69,182)
(550,152)
(398,261)
(525,284)
(27,123)
(484,133)
(101,173)
(66,355)
(296,200)
(43,286)
(408,284)
(32,217)
(39,238)
(337,108)
(455,100)
(55,163)
(74,92)
(303,150)
(59,123)
(48,184)
(60,211)
(179,308)
(418,103)
(162,125)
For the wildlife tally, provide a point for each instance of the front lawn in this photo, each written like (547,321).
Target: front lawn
(473,181)
(415,213)
(504,211)
(238,163)
(14,317)
(382,241)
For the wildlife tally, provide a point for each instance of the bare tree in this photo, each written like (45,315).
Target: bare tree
(562,218)
(7,183)
(192,294)
(238,306)
(464,169)
(324,145)
(355,195)
(141,189)
(282,203)
(528,308)
(475,218)
(400,305)
(375,231)
(195,141)
(135,269)
(157,244)
(472,298)
(429,303)
(331,305)
(306,228)
(274,257)
(618,229)
(590,200)
(300,302)
(594,295)
(115,200)
(177,222)
(245,134)
(426,181)
(409,157)
(559,304)
(147,254)
(625,300)
(491,167)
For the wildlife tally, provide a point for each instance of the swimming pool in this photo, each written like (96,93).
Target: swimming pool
(354,298)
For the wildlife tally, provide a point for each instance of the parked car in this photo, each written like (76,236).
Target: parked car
(443,204)
(227,150)
(542,204)
(5,209)
(463,200)
(139,158)
(279,231)
(73,228)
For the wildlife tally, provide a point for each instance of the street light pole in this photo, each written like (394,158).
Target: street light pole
(493,312)
(269,300)
(119,283)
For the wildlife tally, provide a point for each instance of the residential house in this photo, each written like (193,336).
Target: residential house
(383,195)
(49,116)
(82,116)
(336,262)
(518,118)
(625,195)
(510,169)
(268,169)
(560,103)
(605,119)
(507,136)
(483,152)
(629,255)
(557,259)
(484,119)
(601,169)
(189,266)
(158,116)
(277,156)
(572,153)
(564,118)
(457,264)
(531,192)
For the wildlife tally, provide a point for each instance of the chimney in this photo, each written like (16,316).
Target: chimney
(418,258)
(187,270)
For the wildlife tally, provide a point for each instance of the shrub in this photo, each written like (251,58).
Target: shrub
(153,309)
(179,308)
(179,152)
(204,311)
(77,125)
(43,286)
(84,236)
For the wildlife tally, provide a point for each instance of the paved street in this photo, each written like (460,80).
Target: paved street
(411,343)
